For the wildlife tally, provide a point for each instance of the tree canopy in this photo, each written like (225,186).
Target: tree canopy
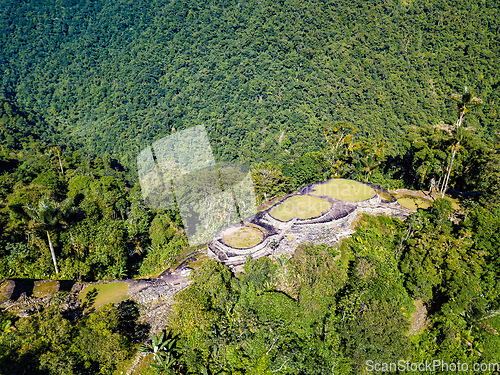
(262,76)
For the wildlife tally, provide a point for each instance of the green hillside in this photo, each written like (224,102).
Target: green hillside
(403,95)
(263,76)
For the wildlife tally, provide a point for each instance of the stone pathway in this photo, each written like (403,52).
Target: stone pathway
(286,229)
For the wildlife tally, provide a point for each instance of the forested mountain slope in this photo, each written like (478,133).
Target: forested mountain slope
(263,76)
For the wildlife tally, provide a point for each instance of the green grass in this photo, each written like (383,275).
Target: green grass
(413,203)
(45,288)
(345,190)
(455,202)
(300,206)
(243,237)
(107,293)
(5,291)
(384,195)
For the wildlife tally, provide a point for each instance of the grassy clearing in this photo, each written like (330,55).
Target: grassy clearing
(455,202)
(413,203)
(107,293)
(426,196)
(243,237)
(300,206)
(5,289)
(345,190)
(200,258)
(45,288)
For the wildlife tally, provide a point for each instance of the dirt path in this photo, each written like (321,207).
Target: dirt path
(418,318)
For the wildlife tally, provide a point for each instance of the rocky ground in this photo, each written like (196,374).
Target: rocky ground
(154,296)
(418,318)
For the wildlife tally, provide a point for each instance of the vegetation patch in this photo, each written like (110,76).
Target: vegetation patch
(45,288)
(455,203)
(5,289)
(345,190)
(106,293)
(243,237)
(413,203)
(384,195)
(300,206)
(425,196)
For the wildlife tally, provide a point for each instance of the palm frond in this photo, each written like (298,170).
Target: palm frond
(486,327)
(491,314)
(145,348)
(31,212)
(475,102)
(457,98)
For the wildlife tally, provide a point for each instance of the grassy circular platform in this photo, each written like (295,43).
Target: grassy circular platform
(107,293)
(45,288)
(242,237)
(413,203)
(6,288)
(345,190)
(300,206)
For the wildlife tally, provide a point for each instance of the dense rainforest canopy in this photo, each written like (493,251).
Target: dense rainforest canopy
(263,76)
(302,91)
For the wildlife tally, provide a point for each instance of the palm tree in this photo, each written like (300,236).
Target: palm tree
(341,147)
(162,347)
(370,156)
(46,216)
(54,150)
(464,102)
(58,151)
(427,143)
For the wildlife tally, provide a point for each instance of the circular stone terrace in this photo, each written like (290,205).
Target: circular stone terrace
(343,190)
(242,237)
(300,206)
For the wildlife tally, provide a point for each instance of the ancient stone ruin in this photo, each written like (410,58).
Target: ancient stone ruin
(329,227)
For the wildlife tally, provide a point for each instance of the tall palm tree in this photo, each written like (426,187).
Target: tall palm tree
(58,151)
(55,150)
(464,102)
(46,216)
(370,156)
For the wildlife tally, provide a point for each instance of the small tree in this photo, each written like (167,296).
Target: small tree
(163,349)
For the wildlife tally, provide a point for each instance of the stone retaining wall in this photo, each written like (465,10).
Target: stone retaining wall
(328,233)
